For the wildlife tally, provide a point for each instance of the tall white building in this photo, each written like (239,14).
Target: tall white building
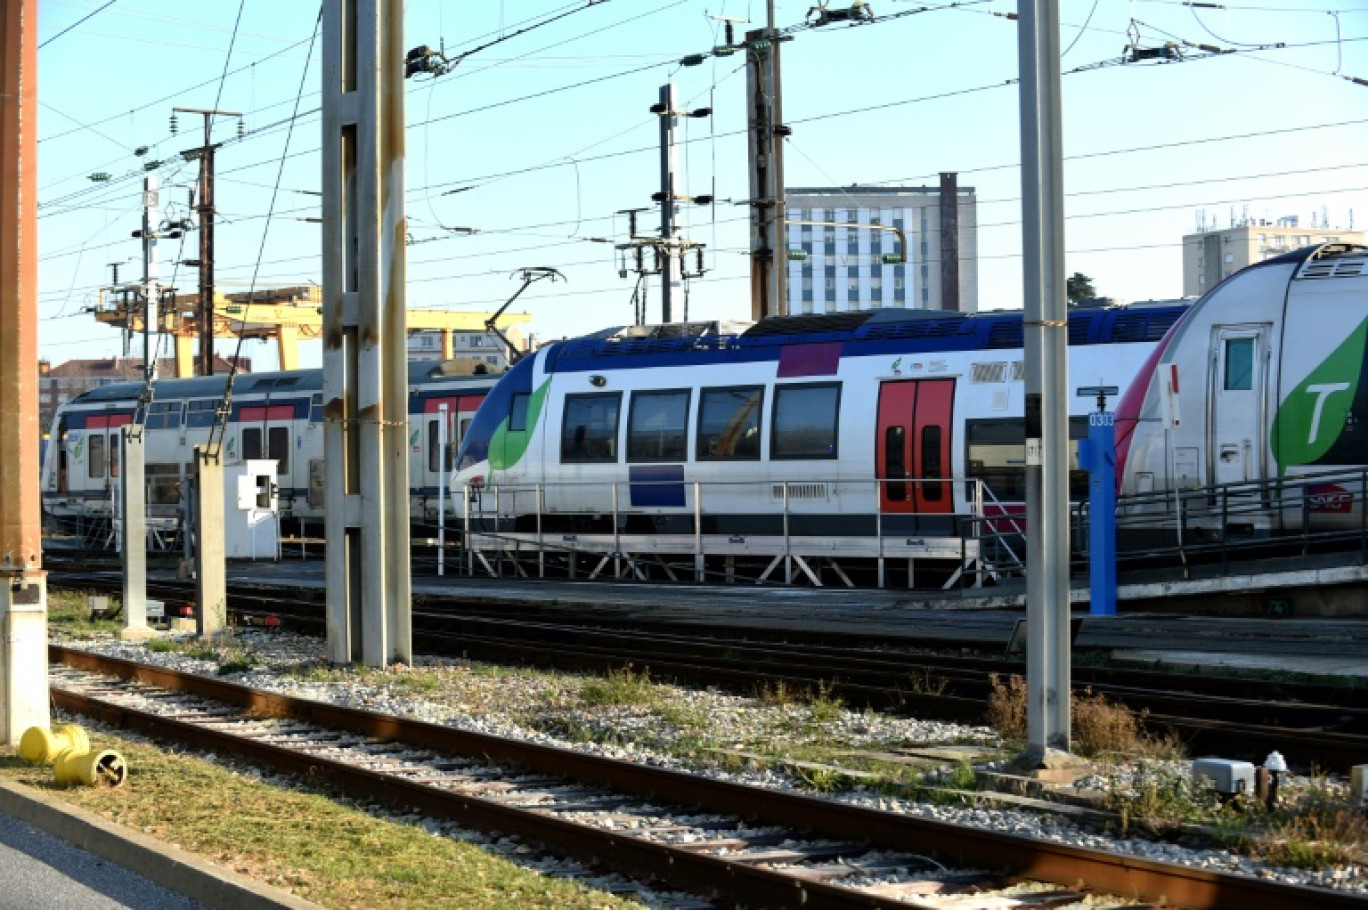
(841,264)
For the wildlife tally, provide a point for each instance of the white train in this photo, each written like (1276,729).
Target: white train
(273,415)
(1261,392)
(859,424)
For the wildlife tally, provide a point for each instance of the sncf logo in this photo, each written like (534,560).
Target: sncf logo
(1327,497)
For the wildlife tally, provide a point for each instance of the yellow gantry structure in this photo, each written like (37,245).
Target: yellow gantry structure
(287,315)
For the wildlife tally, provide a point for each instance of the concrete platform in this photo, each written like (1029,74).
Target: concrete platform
(1356,667)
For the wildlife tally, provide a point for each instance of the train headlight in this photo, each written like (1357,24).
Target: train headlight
(598,381)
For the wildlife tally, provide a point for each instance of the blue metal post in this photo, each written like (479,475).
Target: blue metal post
(1097,456)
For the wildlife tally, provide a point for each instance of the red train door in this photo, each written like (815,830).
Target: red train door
(913,444)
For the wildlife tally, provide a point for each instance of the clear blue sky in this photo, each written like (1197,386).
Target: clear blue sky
(544,162)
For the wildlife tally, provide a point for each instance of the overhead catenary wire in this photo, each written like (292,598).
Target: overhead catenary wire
(511,230)
(221,413)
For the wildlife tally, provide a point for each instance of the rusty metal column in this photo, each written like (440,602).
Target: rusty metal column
(949,241)
(23,583)
(365,358)
(205,309)
(769,240)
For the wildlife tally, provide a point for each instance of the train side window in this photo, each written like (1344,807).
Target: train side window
(251,443)
(95,463)
(316,408)
(806,420)
(163,484)
(200,413)
(434,438)
(278,447)
(729,423)
(895,463)
(114,454)
(996,454)
(931,463)
(1239,364)
(658,426)
(164,415)
(61,443)
(590,428)
(517,411)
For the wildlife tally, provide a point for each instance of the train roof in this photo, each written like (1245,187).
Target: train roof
(860,331)
(311,380)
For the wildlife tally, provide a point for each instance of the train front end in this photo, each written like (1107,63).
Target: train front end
(497,440)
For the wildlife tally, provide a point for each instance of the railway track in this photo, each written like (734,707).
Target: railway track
(1310,724)
(734,844)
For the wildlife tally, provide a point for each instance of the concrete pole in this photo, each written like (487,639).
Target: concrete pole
(365,357)
(670,272)
(211,583)
(23,583)
(1046,355)
(134,507)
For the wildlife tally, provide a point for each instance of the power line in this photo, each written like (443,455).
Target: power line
(76,23)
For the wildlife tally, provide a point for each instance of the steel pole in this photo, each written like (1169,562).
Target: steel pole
(670,270)
(151,221)
(1047,428)
(206,255)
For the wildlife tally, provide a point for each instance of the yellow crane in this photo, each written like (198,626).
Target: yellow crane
(287,315)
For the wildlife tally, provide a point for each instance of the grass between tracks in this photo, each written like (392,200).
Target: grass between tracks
(317,845)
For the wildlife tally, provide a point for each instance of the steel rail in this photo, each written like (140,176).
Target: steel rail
(1065,865)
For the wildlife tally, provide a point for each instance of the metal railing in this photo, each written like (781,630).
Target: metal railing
(1236,522)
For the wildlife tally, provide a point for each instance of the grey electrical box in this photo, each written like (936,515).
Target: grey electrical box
(1227,777)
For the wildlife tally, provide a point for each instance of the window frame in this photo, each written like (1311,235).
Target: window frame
(776,450)
(638,394)
(577,397)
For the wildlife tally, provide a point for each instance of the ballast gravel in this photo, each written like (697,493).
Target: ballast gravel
(551,709)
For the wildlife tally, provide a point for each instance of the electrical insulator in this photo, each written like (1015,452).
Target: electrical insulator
(242,129)
(693,60)
(175,124)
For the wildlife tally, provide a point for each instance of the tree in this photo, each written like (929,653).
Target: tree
(1079,288)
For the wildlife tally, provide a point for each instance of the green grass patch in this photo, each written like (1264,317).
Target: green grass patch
(314,844)
(69,612)
(620,687)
